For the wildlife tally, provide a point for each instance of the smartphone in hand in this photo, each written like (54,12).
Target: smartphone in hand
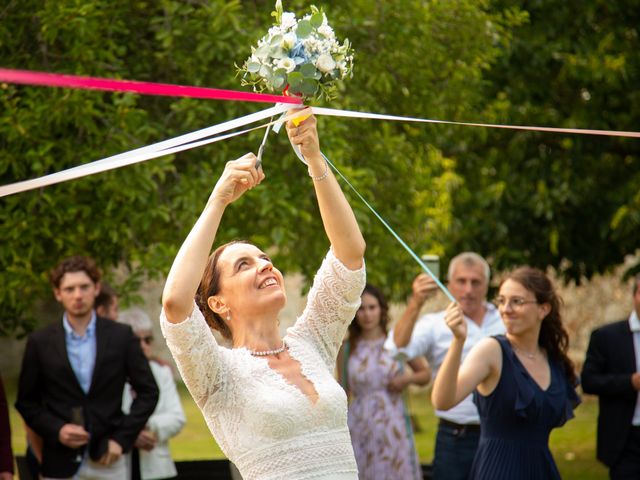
(433,263)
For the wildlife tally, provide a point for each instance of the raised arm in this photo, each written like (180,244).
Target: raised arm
(339,221)
(453,383)
(184,277)
(423,287)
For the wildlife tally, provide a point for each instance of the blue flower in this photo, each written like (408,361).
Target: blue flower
(299,54)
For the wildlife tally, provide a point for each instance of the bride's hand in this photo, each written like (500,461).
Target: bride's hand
(305,136)
(238,176)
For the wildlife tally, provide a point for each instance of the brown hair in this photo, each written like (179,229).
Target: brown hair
(210,286)
(76,263)
(106,297)
(355,331)
(553,337)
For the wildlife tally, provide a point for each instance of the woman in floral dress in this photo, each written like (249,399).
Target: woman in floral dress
(380,429)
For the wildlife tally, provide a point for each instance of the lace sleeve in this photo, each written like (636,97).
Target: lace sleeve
(332,303)
(197,354)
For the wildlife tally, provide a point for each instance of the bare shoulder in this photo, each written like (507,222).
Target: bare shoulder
(488,353)
(487,349)
(489,344)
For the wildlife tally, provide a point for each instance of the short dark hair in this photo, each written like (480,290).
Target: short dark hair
(77,263)
(106,297)
(636,282)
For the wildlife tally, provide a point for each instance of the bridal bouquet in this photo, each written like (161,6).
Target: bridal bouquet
(299,57)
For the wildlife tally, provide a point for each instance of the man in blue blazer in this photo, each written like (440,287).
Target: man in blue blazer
(612,371)
(72,379)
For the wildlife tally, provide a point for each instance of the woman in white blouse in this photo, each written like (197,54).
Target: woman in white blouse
(167,419)
(271,403)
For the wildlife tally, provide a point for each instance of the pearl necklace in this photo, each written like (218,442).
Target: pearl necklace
(264,353)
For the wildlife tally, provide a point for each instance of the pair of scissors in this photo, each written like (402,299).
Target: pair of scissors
(261,148)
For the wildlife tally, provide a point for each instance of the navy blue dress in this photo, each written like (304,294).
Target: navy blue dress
(516,420)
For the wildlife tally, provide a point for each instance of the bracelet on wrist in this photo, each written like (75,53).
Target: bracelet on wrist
(324,175)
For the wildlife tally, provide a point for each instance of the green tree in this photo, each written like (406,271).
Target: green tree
(413,57)
(570,201)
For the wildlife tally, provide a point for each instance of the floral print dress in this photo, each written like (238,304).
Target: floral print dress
(380,431)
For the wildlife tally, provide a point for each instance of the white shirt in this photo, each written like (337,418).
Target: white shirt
(634,324)
(431,339)
(166,421)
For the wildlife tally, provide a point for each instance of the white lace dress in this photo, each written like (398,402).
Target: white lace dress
(264,424)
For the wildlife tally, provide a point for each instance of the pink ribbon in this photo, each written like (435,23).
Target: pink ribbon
(27,77)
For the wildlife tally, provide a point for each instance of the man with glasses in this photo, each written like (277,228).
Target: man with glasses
(612,371)
(459,428)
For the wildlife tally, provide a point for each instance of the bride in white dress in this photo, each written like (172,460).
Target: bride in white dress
(272,403)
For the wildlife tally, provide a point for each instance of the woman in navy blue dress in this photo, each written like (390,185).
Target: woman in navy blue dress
(523,382)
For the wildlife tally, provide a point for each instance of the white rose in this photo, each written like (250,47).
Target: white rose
(288,41)
(326,31)
(325,63)
(287,63)
(288,20)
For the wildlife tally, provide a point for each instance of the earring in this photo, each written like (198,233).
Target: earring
(228,315)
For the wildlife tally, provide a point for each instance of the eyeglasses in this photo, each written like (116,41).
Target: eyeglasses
(148,339)
(515,302)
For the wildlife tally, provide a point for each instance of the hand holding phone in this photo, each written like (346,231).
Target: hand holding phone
(433,263)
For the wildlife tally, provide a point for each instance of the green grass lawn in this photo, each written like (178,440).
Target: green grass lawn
(573,446)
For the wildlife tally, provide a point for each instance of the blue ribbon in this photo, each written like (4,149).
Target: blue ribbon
(395,235)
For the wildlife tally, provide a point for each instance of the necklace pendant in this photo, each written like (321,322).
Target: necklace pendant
(530,356)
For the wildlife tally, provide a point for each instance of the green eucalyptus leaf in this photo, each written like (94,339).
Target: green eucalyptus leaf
(295,89)
(316,20)
(263,51)
(304,29)
(308,70)
(276,40)
(294,79)
(265,71)
(277,53)
(309,86)
(253,67)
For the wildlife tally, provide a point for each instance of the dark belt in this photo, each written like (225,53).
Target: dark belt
(461,429)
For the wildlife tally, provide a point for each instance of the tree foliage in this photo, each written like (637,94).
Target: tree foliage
(542,199)
(570,201)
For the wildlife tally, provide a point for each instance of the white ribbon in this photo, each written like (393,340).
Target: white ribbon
(194,139)
(376,116)
(166,147)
